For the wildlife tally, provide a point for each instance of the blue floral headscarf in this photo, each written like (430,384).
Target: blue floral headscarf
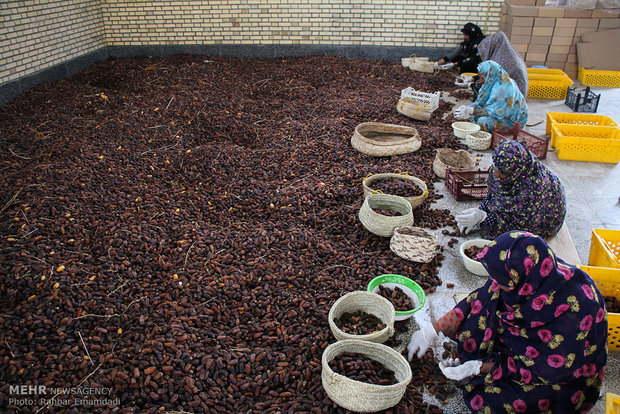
(500,97)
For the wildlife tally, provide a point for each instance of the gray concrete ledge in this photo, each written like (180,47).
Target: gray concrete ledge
(9,90)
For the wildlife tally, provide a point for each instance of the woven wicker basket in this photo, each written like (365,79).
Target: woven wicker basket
(421,64)
(413,110)
(479,140)
(366,302)
(382,140)
(414,201)
(414,243)
(380,224)
(360,396)
(460,159)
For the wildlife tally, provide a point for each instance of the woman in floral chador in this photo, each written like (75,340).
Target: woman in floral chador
(532,339)
(499,103)
(522,193)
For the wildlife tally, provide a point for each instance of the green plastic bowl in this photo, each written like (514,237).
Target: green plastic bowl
(411,288)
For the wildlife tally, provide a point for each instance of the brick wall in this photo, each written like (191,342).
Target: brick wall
(38,34)
(337,22)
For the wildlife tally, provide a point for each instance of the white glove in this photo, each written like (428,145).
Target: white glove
(470,218)
(436,65)
(452,370)
(463,112)
(421,341)
(464,81)
(446,66)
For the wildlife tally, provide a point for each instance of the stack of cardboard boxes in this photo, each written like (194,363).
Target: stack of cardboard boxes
(548,36)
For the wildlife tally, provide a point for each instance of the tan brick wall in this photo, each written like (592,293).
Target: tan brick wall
(37,34)
(333,22)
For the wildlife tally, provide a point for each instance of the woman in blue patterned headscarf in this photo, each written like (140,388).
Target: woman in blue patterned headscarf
(533,338)
(499,103)
(523,193)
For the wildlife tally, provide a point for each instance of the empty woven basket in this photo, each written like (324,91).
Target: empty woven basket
(413,200)
(382,140)
(414,243)
(383,225)
(456,159)
(361,396)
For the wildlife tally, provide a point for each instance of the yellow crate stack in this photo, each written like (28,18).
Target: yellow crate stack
(586,143)
(605,248)
(547,83)
(576,119)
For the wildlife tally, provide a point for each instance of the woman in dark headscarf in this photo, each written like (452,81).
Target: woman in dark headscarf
(497,47)
(532,339)
(466,56)
(523,193)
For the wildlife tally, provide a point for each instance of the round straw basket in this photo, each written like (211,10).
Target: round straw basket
(380,224)
(460,159)
(414,243)
(414,201)
(382,140)
(360,396)
(365,302)
(413,110)
(479,141)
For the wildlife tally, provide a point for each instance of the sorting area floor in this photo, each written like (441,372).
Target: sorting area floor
(593,199)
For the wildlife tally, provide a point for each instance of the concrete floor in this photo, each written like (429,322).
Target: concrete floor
(592,190)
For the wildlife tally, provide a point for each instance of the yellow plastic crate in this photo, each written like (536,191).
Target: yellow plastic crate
(590,77)
(547,83)
(605,248)
(608,282)
(612,403)
(586,143)
(576,119)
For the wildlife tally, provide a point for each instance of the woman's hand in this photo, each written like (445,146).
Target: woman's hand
(463,112)
(454,370)
(421,341)
(470,218)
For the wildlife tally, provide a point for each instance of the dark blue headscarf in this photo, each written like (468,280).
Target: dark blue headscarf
(551,324)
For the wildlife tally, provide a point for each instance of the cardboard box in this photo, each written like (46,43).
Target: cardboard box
(521,47)
(602,36)
(562,23)
(562,40)
(562,49)
(541,2)
(538,48)
(601,55)
(544,22)
(602,14)
(571,58)
(578,13)
(557,57)
(520,30)
(554,12)
(520,21)
(541,40)
(522,2)
(535,56)
(588,23)
(520,39)
(555,65)
(522,11)
(564,31)
(543,31)
(609,24)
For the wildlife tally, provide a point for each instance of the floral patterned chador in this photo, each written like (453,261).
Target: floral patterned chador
(543,325)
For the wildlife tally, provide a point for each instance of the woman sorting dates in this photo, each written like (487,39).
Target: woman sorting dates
(532,339)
